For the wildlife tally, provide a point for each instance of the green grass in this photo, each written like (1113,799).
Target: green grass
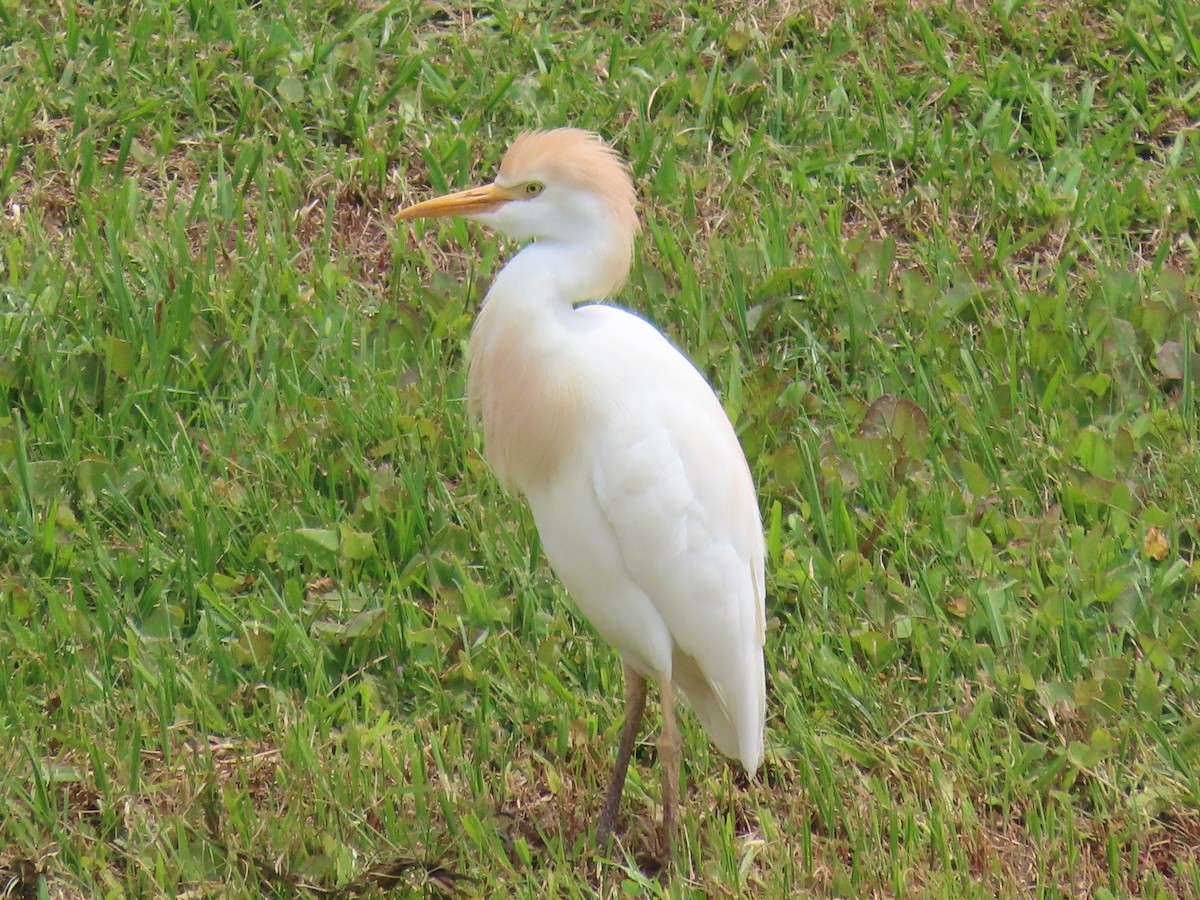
(268,625)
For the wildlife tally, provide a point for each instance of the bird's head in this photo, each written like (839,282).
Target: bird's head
(561,185)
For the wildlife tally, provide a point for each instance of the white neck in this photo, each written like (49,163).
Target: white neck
(561,273)
(521,383)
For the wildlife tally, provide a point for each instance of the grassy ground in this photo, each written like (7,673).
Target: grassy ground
(267,625)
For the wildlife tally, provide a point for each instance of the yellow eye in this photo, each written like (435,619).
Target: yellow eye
(533,188)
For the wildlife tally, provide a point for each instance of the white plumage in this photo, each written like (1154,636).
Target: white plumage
(639,488)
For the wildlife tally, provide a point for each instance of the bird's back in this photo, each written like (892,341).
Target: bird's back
(653,526)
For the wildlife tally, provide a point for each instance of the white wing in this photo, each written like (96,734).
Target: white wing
(673,537)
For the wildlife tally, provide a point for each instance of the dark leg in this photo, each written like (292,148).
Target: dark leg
(635,706)
(668,759)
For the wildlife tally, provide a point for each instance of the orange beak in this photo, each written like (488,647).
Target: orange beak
(484,199)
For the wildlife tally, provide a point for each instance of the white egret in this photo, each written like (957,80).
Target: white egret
(638,486)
